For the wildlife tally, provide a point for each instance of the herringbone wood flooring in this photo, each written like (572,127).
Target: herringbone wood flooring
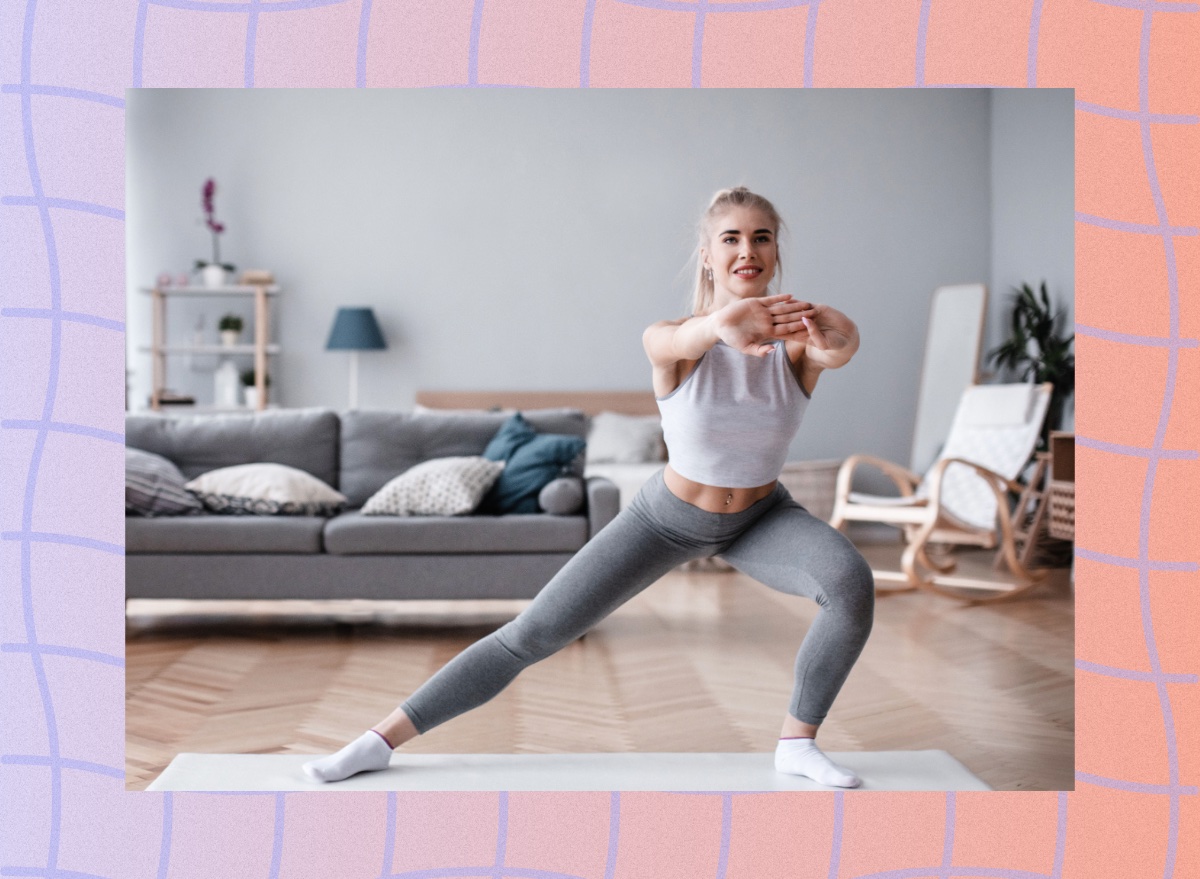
(701,661)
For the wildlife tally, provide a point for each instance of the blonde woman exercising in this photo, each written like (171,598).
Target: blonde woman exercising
(732,382)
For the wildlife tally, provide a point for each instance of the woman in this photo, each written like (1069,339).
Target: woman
(732,382)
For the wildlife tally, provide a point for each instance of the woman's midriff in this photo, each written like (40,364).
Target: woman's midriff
(711,498)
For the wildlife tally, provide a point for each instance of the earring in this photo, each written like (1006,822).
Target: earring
(710,274)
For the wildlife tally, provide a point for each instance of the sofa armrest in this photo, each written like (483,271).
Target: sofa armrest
(603,503)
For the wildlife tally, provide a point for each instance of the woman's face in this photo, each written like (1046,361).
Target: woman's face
(741,253)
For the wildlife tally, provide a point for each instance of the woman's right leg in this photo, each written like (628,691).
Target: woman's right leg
(619,562)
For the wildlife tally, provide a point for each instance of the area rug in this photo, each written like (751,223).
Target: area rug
(880,770)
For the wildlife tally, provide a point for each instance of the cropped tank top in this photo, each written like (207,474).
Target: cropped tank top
(732,419)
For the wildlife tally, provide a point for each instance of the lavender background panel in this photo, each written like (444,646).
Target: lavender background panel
(64,68)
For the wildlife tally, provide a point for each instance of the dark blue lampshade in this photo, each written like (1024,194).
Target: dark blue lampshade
(355,329)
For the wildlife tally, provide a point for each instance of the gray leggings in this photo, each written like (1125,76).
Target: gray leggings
(775,541)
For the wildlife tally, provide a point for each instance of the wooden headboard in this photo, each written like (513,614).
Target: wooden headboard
(591,402)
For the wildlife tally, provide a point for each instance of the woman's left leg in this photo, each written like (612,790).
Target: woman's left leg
(792,551)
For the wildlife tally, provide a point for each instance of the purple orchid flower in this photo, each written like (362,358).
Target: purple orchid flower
(216,228)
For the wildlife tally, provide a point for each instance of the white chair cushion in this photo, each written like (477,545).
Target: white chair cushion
(998,405)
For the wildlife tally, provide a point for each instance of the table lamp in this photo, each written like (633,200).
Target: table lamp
(354,330)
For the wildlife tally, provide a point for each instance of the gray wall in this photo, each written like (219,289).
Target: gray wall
(522,239)
(1033,199)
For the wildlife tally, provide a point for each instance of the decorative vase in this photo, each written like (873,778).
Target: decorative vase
(225,385)
(251,396)
(229,338)
(213,276)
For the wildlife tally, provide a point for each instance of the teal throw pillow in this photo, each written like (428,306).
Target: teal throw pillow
(513,434)
(531,461)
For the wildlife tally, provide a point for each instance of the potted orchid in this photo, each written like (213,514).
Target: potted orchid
(212,272)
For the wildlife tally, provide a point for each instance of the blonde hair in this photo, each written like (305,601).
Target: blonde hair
(724,200)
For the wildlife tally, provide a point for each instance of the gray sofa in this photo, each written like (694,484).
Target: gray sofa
(348,555)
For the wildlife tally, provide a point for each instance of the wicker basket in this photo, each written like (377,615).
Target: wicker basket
(1062,510)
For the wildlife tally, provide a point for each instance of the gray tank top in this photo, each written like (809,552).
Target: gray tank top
(731,421)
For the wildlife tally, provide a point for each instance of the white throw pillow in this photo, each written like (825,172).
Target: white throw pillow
(625,439)
(438,487)
(266,489)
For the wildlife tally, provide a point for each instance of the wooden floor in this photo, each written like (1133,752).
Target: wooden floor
(700,662)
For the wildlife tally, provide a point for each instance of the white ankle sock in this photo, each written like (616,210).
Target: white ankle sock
(366,753)
(803,757)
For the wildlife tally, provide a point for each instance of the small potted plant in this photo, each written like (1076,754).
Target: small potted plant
(213,273)
(249,390)
(230,327)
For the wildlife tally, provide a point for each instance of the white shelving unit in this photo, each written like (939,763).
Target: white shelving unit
(159,349)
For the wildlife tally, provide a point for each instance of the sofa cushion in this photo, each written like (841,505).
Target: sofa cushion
(616,438)
(355,534)
(440,487)
(306,439)
(154,486)
(266,489)
(224,534)
(377,446)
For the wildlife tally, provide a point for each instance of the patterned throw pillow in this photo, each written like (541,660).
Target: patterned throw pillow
(154,486)
(439,487)
(266,490)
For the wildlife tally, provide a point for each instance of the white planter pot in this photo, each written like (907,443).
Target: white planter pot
(225,385)
(229,338)
(213,276)
(251,397)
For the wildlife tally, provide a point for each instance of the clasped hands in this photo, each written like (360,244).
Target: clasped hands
(752,325)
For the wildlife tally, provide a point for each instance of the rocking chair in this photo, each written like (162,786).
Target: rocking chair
(963,495)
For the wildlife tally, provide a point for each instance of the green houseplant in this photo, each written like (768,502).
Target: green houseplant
(248,378)
(249,391)
(230,327)
(1037,350)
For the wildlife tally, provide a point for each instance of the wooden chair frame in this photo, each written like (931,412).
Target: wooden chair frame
(925,522)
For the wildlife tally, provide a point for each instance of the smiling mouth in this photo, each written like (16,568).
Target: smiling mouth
(748,273)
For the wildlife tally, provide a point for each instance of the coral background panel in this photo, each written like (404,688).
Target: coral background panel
(415,43)
(777,56)
(534,43)
(64,68)
(769,843)
(560,832)
(860,43)
(957,31)
(1108,627)
(316,48)
(1104,739)
(1093,48)
(651,849)
(892,831)
(1010,830)
(1112,181)
(633,46)
(1121,288)
(189,48)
